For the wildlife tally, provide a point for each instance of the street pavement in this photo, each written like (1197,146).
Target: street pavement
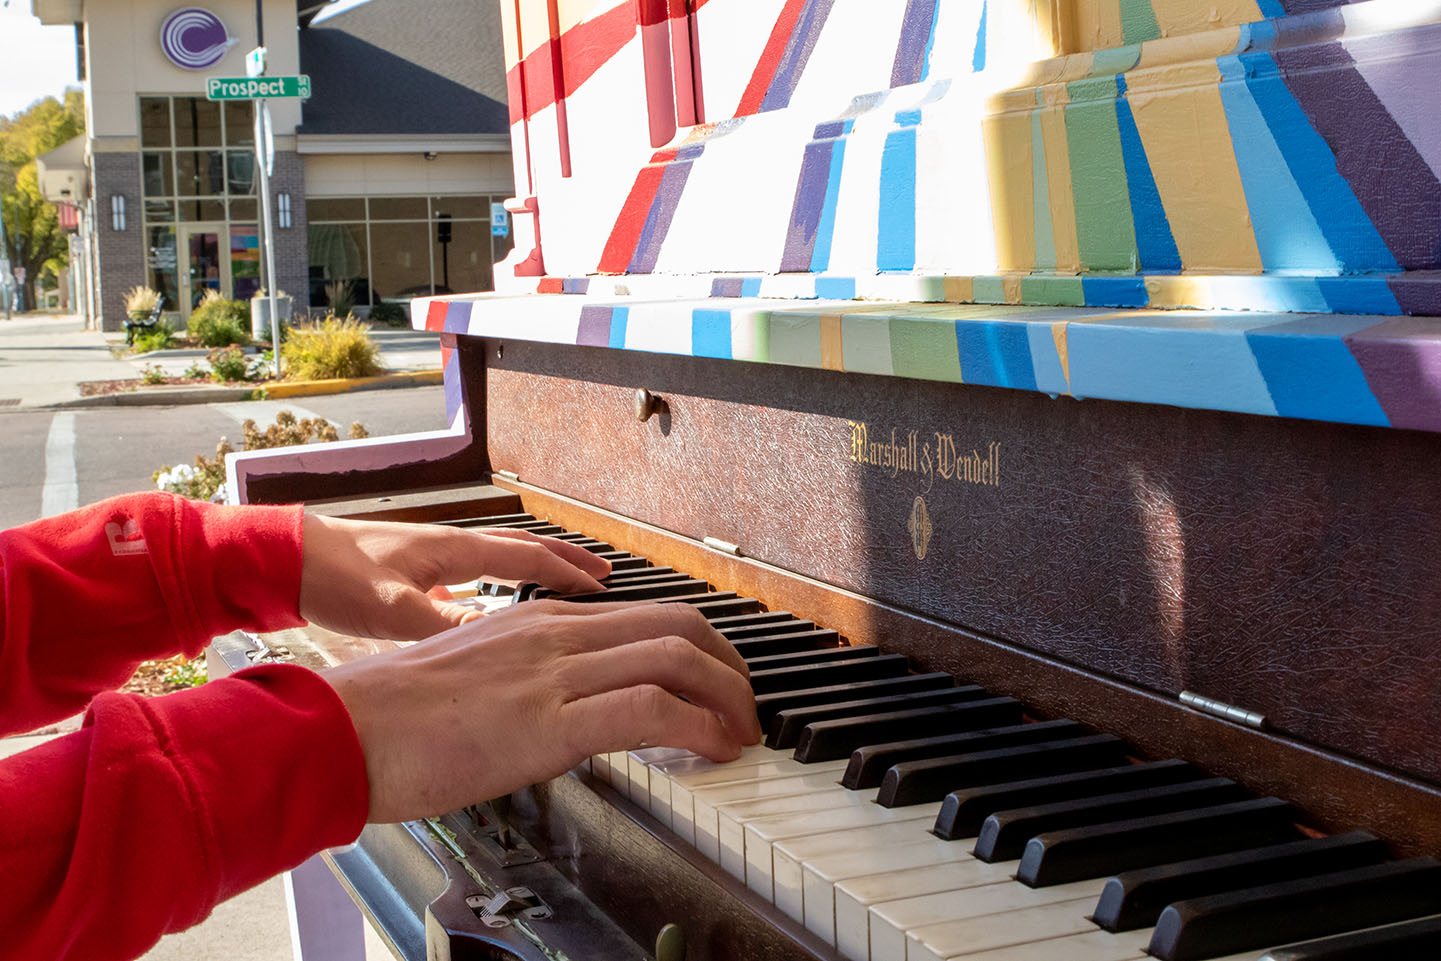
(57,458)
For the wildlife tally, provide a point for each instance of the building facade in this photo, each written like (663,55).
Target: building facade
(382,181)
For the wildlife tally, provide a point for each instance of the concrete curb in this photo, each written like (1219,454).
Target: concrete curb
(164,396)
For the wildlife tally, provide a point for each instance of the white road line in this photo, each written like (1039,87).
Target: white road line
(61,492)
(263,412)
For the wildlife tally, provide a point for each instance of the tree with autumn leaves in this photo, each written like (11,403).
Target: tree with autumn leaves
(33,238)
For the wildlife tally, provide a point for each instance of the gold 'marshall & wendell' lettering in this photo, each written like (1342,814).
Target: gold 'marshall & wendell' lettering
(934,455)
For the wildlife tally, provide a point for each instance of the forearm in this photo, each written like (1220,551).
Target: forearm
(168,806)
(85,596)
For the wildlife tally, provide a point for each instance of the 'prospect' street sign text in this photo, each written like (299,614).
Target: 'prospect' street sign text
(256,88)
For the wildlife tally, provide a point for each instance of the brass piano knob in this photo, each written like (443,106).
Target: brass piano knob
(646,404)
(670,944)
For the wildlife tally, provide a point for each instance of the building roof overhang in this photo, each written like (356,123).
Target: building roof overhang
(63,174)
(436,143)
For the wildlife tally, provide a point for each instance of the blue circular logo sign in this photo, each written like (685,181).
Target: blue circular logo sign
(194,38)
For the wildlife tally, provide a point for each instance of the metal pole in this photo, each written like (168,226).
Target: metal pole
(4,281)
(267,226)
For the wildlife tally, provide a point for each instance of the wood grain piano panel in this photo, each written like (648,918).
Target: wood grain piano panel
(1282,566)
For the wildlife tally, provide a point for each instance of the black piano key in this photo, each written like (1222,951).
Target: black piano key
(764,624)
(817,656)
(639,592)
(565,535)
(786,643)
(593,545)
(870,765)
(786,726)
(718,604)
(768,705)
(1297,910)
(1135,898)
(1096,850)
(493,520)
(1004,834)
(839,672)
(963,811)
(621,561)
(1418,940)
(832,740)
(642,573)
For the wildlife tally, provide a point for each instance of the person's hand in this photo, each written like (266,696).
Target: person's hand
(523,695)
(370,579)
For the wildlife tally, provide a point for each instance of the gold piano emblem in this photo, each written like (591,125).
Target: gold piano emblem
(920,527)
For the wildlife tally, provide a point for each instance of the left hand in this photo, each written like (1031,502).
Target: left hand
(370,579)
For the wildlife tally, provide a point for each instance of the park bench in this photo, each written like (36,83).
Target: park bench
(144,324)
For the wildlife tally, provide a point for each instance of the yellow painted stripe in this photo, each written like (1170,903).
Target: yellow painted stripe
(1058,179)
(1098,25)
(958,290)
(1011,288)
(1188,144)
(1176,17)
(832,354)
(1058,334)
(1008,169)
(1179,291)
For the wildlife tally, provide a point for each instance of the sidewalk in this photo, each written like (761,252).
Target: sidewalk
(45,357)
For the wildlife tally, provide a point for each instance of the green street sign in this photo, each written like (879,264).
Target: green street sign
(256,88)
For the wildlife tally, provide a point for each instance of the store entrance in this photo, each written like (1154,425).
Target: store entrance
(203,262)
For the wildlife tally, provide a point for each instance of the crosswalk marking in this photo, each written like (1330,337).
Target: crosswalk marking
(61,491)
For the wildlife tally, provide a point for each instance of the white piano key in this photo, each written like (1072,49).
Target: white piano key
(638,767)
(830,832)
(732,819)
(855,896)
(1092,946)
(660,786)
(600,767)
(682,788)
(819,875)
(996,920)
(707,800)
(618,768)
(893,922)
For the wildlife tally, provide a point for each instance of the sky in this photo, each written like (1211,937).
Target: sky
(35,61)
(38,61)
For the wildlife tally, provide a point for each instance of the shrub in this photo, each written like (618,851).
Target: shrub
(228,364)
(206,480)
(158,337)
(390,313)
(151,374)
(340,296)
(219,322)
(331,348)
(140,301)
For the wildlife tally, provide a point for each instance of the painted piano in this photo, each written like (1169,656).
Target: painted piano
(1043,395)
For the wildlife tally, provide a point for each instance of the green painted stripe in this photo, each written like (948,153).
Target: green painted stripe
(1138,21)
(795,340)
(1053,291)
(1105,229)
(988,290)
(1108,63)
(750,336)
(925,349)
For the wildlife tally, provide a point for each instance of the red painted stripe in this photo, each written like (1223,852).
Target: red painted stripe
(765,72)
(435,315)
(550,285)
(620,246)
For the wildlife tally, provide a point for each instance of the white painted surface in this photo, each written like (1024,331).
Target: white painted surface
(61,492)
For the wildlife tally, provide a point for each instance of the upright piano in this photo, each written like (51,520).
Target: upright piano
(1041,396)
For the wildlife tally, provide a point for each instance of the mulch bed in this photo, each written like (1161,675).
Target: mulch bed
(95,388)
(149,678)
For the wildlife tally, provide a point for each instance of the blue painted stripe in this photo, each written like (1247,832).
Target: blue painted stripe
(1311,373)
(996,353)
(750,287)
(896,216)
(1287,235)
(618,318)
(1045,360)
(930,41)
(978,56)
(1358,295)
(826,227)
(1352,237)
(1270,8)
(1115,292)
(836,288)
(1155,243)
(710,333)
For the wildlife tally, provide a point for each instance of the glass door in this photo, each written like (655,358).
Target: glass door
(204,264)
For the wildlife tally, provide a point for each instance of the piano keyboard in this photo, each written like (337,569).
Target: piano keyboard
(913,817)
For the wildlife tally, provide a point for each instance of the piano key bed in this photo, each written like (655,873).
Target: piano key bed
(905,816)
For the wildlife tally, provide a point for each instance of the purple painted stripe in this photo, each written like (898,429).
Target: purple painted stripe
(453,392)
(657,222)
(1401,359)
(1417,295)
(457,317)
(798,52)
(806,209)
(594,329)
(1311,6)
(916,28)
(726,287)
(1394,185)
(1406,85)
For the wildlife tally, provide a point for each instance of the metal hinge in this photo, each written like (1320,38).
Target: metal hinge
(508,905)
(1228,712)
(496,838)
(725,547)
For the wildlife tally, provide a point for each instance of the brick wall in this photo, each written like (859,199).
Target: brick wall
(119,254)
(292,252)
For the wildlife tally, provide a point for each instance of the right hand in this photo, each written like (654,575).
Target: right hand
(525,694)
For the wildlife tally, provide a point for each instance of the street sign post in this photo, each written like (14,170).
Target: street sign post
(257,88)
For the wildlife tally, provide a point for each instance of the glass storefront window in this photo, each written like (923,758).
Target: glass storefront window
(154,121)
(197,122)
(244,260)
(338,254)
(244,209)
(193,210)
(161,265)
(398,208)
(239,123)
(400,260)
(158,210)
(240,169)
(463,262)
(334,208)
(199,173)
(155,167)
(461,208)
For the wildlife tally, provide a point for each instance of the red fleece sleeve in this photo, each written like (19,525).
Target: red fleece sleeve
(88,595)
(138,824)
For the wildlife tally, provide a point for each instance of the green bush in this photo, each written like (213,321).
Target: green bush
(228,364)
(158,337)
(219,322)
(390,313)
(331,348)
(152,374)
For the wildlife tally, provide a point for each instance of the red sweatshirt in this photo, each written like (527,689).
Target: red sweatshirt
(157,809)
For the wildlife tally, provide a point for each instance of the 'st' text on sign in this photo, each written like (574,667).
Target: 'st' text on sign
(256,88)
